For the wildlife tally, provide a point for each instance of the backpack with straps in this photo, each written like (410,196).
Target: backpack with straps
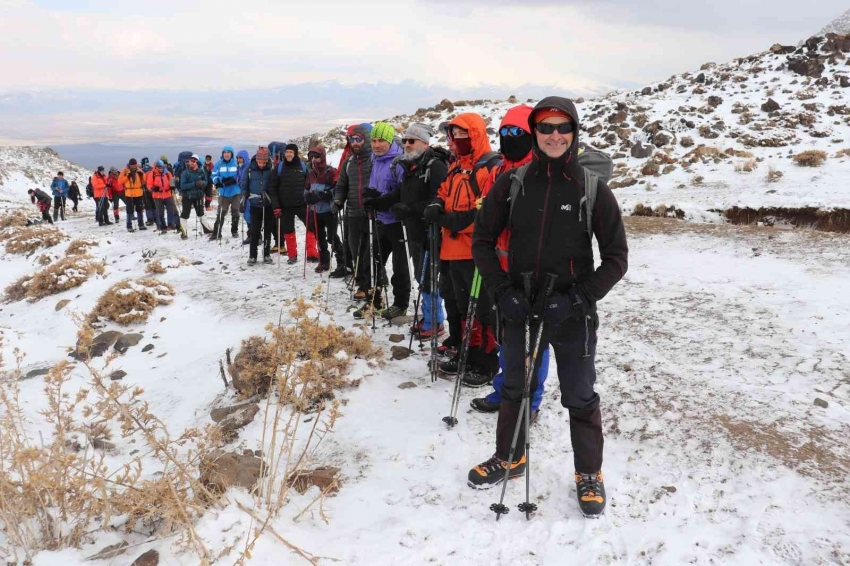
(597,165)
(489,160)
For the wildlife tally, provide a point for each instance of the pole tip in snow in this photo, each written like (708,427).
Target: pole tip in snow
(450,421)
(527,508)
(499,509)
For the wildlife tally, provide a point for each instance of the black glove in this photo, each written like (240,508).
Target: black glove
(371,193)
(336,207)
(326,196)
(433,212)
(242,206)
(514,305)
(400,210)
(560,308)
(311,197)
(200,184)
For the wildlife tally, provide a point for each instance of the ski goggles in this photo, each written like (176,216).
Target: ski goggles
(548,129)
(511,132)
(355,139)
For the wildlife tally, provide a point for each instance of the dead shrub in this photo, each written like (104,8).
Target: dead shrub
(732,152)
(842,153)
(128,302)
(746,166)
(810,158)
(773,175)
(67,273)
(30,238)
(160,266)
(13,219)
(44,259)
(698,181)
(81,246)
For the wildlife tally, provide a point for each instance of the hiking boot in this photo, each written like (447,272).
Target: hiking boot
(312,259)
(448,348)
(292,260)
(142,227)
(282,251)
(275,249)
(425,334)
(252,261)
(268,260)
(492,472)
(361,313)
(163,232)
(101,224)
(322,267)
(150,223)
(361,295)
(392,312)
(482,405)
(340,272)
(450,366)
(590,491)
(208,208)
(246,241)
(130,229)
(234,234)
(474,378)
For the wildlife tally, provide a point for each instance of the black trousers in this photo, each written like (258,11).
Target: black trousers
(262,222)
(58,207)
(135,205)
(574,345)
(324,225)
(75,200)
(117,199)
(101,213)
(358,233)
(453,314)
(189,204)
(390,241)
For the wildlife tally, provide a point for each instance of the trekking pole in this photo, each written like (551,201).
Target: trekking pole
(219,220)
(451,420)
(532,352)
(433,229)
(416,303)
(372,267)
(356,270)
(277,221)
(380,271)
(306,233)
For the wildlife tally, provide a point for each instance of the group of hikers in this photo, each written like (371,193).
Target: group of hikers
(499,244)
(62,192)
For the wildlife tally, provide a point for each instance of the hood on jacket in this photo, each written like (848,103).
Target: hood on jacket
(564,105)
(474,124)
(246,158)
(321,152)
(512,148)
(364,130)
(230,149)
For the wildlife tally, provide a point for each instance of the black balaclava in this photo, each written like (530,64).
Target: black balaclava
(515,148)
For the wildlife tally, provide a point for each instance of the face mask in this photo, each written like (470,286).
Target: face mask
(463,146)
(515,148)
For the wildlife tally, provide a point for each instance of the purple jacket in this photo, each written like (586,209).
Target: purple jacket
(386,177)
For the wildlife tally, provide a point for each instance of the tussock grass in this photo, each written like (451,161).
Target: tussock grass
(28,239)
(810,158)
(67,273)
(81,246)
(128,302)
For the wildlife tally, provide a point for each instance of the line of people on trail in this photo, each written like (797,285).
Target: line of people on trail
(62,191)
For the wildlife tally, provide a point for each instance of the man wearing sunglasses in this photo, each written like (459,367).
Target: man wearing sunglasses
(424,169)
(354,173)
(549,234)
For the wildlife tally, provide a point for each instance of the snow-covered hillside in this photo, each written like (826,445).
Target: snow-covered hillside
(840,25)
(24,168)
(723,136)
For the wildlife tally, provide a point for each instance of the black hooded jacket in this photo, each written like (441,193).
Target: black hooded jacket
(286,189)
(549,227)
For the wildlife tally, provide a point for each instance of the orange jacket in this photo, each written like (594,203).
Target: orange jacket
(132,181)
(456,192)
(158,183)
(516,116)
(98,184)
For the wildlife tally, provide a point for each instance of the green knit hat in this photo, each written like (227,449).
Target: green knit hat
(384,131)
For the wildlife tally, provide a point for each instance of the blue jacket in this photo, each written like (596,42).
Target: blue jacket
(255,183)
(188,178)
(385,177)
(225,175)
(246,161)
(59,186)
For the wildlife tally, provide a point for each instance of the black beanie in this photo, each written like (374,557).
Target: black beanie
(132,161)
(291,146)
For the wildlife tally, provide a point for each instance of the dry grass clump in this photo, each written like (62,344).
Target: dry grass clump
(810,158)
(698,181)
(128,302)
(67,273)
(747,166)
(81,246)
(307,360)
(842,153)
(159,266)
(30,238)
(44,259)
(773,175)
(13,219)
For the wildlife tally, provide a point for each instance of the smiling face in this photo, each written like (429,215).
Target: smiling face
(554,145)
(289,155)
(226,155)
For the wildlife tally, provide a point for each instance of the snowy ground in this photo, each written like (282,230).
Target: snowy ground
(711,353)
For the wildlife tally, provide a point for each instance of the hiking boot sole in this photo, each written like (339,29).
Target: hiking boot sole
(486,486)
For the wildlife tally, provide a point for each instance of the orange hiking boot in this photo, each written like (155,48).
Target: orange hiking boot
(492,472)
(590,490)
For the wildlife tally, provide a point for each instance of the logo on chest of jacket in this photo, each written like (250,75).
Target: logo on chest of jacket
(566,207)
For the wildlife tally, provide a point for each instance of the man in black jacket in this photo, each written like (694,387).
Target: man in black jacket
(548,223)
(286,191)
(425,169)
(42,200)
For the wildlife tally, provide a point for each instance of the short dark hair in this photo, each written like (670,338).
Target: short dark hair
(208,157)
(61,174)
(29,192)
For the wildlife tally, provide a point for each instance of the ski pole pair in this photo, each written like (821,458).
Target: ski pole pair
(532,353)
(451,420)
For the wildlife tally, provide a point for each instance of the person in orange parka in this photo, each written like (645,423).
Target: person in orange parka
(158,182)
(454,210)
(133,180)
(114,191)
(101,197)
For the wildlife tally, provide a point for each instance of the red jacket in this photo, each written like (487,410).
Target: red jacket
(113,187)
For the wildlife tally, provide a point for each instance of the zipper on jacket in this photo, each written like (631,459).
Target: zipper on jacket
(586,336)
(572,270)
(543,222)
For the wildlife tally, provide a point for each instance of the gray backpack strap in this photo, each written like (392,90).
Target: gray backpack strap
(589,200)
(516,186)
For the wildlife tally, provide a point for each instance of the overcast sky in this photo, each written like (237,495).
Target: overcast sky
(583,46)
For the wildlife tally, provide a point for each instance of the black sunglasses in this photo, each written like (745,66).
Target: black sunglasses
(547,129)
(410,141)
